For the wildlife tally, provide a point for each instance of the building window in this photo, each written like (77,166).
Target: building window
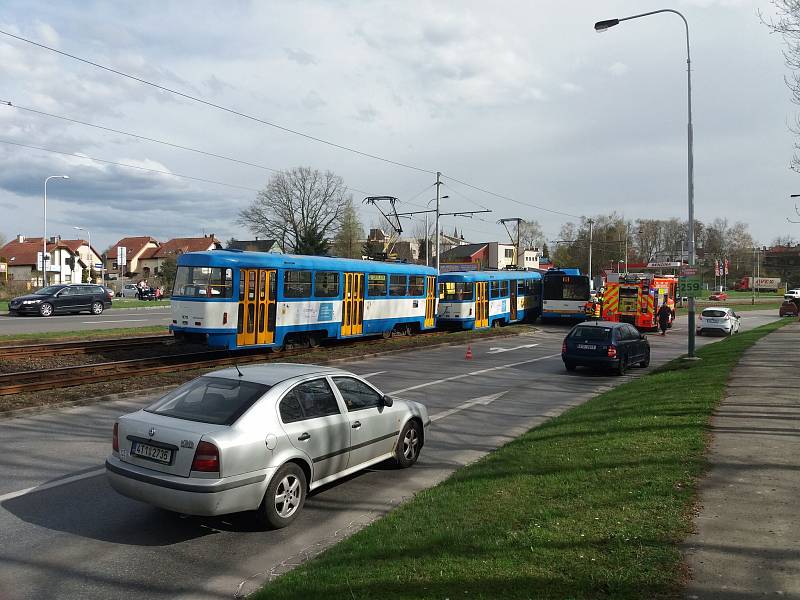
(509,253)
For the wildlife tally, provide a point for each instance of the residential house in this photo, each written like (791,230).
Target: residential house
(491,255)
(89,255)
(136,248)
(255,245)
(466,254)
(153,259)
(64,264)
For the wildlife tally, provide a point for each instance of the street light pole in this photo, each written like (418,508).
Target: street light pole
(438,185)
(603,26)
(44,239)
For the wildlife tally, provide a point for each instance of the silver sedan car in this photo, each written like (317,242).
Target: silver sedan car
(259,438)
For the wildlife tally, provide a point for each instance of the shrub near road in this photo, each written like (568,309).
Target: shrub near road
(588,505)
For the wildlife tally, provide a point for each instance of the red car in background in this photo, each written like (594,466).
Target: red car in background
(718,296)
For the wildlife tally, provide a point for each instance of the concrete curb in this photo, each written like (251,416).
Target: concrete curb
(34,410)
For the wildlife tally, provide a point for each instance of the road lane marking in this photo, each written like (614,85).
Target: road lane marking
(368,375)
(499,350)
(52,484)
(117,321)
(485,400)
(470,374)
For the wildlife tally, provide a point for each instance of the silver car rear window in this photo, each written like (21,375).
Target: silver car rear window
(214,400)
(714,313)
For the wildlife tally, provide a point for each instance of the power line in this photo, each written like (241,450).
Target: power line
(457,193)
(536,206)
(157,141)
(217,106)
(127,166)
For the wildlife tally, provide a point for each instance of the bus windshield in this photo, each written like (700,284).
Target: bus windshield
(566,287)
(213,282)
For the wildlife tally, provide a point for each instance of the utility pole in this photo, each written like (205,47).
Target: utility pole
(438,186)
(591,232)
(519,223)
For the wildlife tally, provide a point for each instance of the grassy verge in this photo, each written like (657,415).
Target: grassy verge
(131,303)
(736,307)
(589,505)
(66,336)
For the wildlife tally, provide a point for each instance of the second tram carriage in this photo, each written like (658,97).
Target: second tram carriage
(477,299)
(235,299)
(565,294)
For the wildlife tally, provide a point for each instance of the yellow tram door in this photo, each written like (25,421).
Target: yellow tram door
(256,314)
(430,300)
(512,298)
(353,304)
(481,304)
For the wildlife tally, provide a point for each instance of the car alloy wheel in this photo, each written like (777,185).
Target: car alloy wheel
(284,497)
(97,308)
(46,309)
(409,445)
(287,496)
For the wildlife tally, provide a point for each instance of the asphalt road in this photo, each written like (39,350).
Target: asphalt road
(64,533)
(112,318)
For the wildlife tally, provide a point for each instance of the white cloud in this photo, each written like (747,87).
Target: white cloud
(618,69)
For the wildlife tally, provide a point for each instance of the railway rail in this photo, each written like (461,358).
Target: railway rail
(82,347)
(60,377)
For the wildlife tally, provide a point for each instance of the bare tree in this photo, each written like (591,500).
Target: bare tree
(530,235)
(648,236)
(302,208)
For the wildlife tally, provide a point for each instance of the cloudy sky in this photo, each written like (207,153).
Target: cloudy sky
(520,98)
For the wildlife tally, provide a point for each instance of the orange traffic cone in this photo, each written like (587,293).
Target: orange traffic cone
(468,355)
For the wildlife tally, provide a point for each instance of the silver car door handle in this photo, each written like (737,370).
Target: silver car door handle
(304,437)
(356,425)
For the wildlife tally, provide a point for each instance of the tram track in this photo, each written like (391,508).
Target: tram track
(82,347)
(70,376)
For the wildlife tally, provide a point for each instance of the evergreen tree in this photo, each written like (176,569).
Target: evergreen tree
(349,239)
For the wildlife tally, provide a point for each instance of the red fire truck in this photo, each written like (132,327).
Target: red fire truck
(635,298)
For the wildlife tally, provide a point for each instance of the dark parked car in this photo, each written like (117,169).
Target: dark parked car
(789,309)
(605,345)
(66,298)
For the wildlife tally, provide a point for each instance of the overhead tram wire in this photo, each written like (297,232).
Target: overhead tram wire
(275,125)
(520,202)
(154,140)
(127,166)
(218,106)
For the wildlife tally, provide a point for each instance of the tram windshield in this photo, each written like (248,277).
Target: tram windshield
(213,282)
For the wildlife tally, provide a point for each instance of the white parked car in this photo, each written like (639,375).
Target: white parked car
(129,290)
(792,294)
(718,320)
(260,439)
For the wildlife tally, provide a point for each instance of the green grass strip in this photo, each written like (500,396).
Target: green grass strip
(591,504)
(65,336)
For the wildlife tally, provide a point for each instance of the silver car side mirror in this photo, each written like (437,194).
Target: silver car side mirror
(387,400)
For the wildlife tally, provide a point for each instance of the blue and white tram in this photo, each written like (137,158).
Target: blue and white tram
(565,294)
(477,299)
(236,299)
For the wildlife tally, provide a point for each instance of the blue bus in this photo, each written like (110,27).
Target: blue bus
(233,299)
(565,294)
(478,299)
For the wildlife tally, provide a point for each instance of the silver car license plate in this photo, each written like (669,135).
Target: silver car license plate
(154,453)
(587,347)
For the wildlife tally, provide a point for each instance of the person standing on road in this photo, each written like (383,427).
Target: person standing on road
(664,315)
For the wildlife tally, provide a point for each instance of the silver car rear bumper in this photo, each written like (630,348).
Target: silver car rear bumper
(191,496)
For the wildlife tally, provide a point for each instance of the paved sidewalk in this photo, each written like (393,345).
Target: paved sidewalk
(747,543)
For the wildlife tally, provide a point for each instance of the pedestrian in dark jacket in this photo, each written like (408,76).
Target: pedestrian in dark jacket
(664,315)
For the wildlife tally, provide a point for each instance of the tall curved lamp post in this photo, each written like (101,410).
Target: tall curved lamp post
(601,26)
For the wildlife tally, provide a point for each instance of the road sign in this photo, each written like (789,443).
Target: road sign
(122,256)
(689,286)
(98,266)
(688,271)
